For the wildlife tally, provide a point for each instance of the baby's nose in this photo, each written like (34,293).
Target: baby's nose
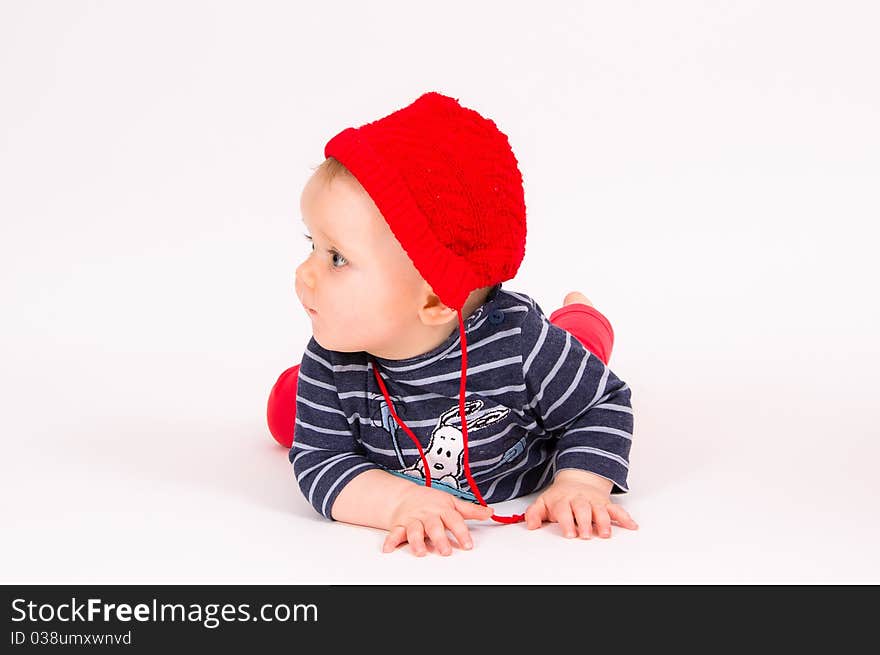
(304,275)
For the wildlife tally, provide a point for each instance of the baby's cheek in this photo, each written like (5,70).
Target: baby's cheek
(370,303)
(357,321)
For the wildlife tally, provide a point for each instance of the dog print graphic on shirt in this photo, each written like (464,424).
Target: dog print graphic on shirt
(445,451)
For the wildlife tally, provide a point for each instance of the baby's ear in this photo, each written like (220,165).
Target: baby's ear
(433,311)
(437,314)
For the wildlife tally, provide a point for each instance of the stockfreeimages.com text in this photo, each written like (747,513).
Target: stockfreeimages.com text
(210,615)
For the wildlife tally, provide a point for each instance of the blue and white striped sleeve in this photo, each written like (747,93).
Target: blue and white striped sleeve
(325,453)
(572,391)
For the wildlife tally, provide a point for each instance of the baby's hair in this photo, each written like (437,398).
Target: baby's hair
(331,168)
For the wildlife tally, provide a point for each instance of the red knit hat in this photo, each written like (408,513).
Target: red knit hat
(448,185)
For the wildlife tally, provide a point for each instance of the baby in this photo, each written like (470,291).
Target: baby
(427,391)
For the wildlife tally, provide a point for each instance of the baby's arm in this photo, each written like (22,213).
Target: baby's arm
(339,480)
(571,392)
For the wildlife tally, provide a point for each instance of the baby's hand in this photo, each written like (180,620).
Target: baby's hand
(578,497)
(425,511)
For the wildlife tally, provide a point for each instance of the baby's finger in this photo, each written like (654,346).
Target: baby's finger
(622,517)
(561,512)
(536,514)
(583,514)
(437,532)
(415,535)
(458,528)
(603,521)
(472,510)
(396,536)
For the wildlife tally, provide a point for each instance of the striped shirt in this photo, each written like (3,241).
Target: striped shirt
(537,401)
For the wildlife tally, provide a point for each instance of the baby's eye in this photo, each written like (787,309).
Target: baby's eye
(332,252)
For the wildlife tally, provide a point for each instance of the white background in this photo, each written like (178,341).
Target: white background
(708,173)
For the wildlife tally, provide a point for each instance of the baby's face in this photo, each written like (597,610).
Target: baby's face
(362,288)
